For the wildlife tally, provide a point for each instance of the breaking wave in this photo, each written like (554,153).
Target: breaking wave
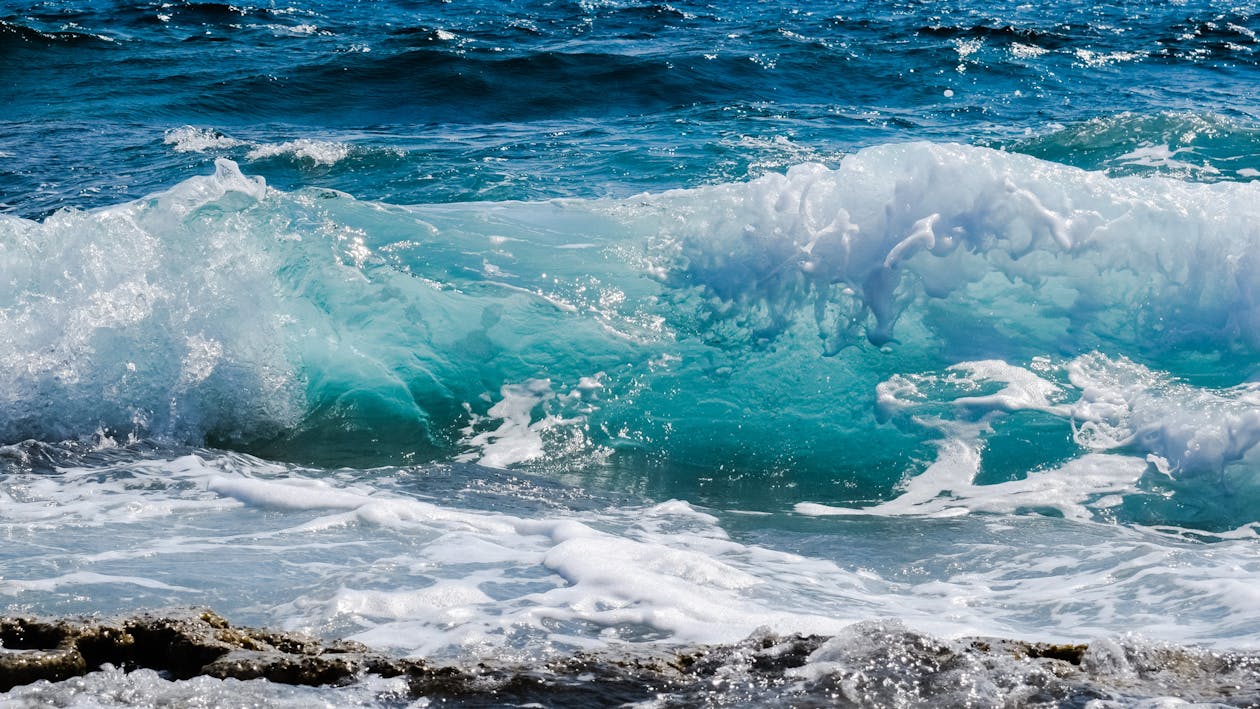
(832,332)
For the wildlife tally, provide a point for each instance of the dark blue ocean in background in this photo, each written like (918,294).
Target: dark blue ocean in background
(427,102)
(495,331)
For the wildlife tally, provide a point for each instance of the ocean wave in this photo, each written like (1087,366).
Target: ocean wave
(1096,261)
(301,151)
(16,36)
(1047,39)
(127,307)
(428,332)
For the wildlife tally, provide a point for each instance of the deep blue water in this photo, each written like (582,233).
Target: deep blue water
(492,101)
(805,313)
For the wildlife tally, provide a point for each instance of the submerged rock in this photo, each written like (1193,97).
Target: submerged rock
(870,664)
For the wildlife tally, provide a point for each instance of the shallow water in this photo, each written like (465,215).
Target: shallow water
(491,332)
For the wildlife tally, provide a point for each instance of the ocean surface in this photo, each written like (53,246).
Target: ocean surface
(494,331)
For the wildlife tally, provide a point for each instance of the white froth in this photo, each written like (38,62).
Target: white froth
(140,319)
(531,422)
(331,553)
(115,687)
(895,227)
(1113,405)
(1027,51)
(296,494)
(1188,430)
(1165,158)
(444,602)
(1092,59)
(518,438)
(1021,390)
(191,139)
(1077,489)
(317,152)
(77,579)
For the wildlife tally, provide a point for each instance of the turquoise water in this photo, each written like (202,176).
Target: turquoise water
(498,330)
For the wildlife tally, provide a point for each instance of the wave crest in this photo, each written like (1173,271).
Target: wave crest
(133,320)
(741,327)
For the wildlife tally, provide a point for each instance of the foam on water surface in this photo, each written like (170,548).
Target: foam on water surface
(372,555)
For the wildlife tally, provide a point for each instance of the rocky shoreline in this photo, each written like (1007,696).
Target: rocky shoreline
(879,664)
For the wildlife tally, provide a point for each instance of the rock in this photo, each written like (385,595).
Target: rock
(182,645)
(286,668)
(871,664)
(37,650)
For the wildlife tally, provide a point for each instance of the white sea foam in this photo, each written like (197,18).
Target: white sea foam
(116,687)
(1092,59)
(518,438)
(1027,51)
(317,152)
(533,422)
(78,579)
(192,139)
(1165,158)
(1054,251)
(129,318)
(1077,490)
(1130,417)
(1185,430)
(357,553)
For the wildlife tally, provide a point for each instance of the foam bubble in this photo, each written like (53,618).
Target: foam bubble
(521,437)
(1163,157)
(309,151)
(1078,489)
(1187,430)
(1027,51)
(1093,59)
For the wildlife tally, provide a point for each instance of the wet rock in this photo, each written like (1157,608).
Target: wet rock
(35,650)
(182,646)
(869,664)
(285,668)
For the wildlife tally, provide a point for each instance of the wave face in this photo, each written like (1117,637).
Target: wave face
(826,334)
